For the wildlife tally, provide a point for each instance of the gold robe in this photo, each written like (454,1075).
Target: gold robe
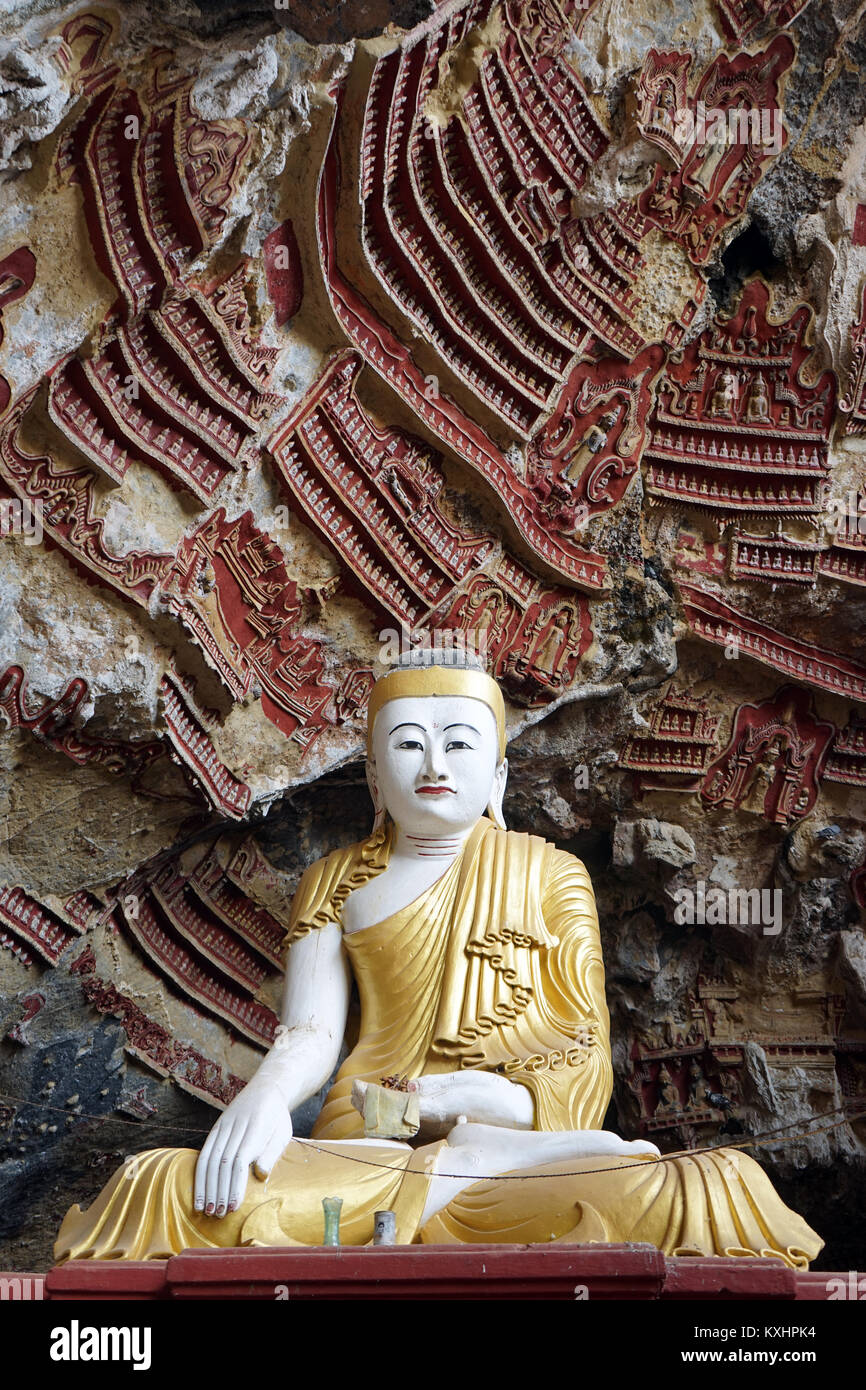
(497,966)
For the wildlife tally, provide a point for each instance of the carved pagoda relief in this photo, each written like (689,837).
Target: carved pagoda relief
(774,760)
(674,752)
(736,429)
(523,334)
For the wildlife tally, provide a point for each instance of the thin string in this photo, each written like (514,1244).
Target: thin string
(618,1168)
(754,1142)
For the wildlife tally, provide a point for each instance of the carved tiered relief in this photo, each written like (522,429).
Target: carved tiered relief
(373,497)
(174,389)
(689,1072)
(740,18)
(853,403)
(150,1041)
(229,586)
(189,728)
(533,636)
(846,761)
(581,462)
(674,753)
(715,621)
(773,559)
(736,428)
(38,928)
(205,935)
(725,140)
(774,760)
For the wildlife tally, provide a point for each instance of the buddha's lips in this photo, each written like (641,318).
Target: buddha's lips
(435,791)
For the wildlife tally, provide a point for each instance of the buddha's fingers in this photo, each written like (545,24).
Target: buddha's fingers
(200,1184)
(238,1174)
(222,1139)
(229,1162)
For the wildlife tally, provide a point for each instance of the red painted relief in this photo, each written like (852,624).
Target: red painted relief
(30,1006)
(702,556)
(723,141)
(439,412)
(372,496)
(70,516)
(177,389)
(51,721)
(853,403)
(774,760)
(35,925)
(735,429)
(663,100)
(689,1072)
(207,936)
(740,18)
(84,39)
(178,379)
(773,559)
(847,758)
(673,755)
(717,622)
(582,461)
(156,179)
(533,635)
(283,272)
(229,586)
(227,882)
(17,273)
(159,937)
(187,727)
(152,1043)
(350,701)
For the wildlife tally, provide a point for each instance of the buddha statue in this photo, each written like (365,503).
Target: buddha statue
(477,957)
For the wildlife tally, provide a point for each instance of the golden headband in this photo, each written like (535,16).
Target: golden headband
(421,681)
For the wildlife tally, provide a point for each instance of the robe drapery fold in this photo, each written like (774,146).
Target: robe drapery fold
(497,966)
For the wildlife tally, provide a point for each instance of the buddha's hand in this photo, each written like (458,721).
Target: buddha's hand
(253,1130)
(479,1096)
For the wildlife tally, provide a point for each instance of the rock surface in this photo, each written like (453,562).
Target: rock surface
(599,382)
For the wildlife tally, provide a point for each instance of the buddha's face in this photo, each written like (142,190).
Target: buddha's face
(435,764)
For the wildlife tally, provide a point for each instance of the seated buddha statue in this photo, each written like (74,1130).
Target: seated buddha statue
(477,959)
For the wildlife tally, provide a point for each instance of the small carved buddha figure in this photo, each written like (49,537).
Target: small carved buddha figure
(477,958)
(665,106)
(758,402)
(762,777)
(582,454)
(726,395)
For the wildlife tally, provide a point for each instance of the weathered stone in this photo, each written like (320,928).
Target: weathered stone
(603,394)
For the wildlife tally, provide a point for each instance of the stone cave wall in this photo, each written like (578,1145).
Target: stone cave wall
(536,325)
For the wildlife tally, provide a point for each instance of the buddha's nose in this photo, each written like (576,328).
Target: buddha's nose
(434,769)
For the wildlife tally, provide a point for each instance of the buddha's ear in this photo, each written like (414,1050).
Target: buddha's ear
(378,803)
(497,793)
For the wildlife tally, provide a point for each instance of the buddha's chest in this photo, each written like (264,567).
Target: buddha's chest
(404,880)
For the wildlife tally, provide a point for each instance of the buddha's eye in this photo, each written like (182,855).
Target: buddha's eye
(410,743)
(457,743)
